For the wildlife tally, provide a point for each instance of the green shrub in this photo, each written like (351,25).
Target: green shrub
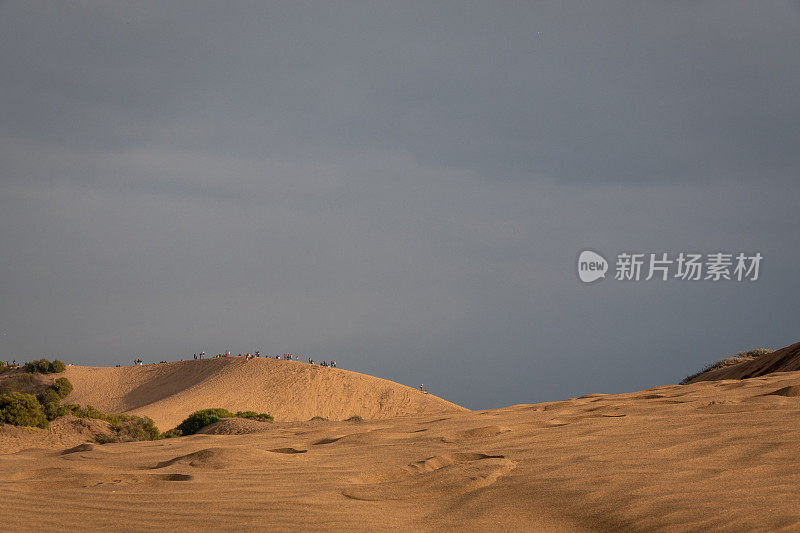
(129,427)
(43,366)
(21,409)
(126,427)
(39,366)
(318,418)
(62,387)
(252,415)
(50,401)
(87,412)
(200,419)
(3,366)
(205,417)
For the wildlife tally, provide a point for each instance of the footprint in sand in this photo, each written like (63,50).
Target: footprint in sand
(476,433)
(441,474)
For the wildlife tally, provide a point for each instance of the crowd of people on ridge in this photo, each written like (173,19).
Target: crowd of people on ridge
(248,356)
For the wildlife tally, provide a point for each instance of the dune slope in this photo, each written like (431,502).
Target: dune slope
(289,390)
(784,360)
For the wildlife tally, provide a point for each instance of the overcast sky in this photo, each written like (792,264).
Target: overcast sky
(403,187)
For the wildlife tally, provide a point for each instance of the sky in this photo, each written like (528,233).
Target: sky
(402,187)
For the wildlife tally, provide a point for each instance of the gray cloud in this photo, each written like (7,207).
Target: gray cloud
(403,188)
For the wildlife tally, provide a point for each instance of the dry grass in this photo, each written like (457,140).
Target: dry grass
(739,358)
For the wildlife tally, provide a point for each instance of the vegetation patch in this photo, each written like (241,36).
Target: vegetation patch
(741,357)
(51,404)
(205,417)
(252,415)
(20,382)
(171,434)
(62,387)
(43,366)
(21,409)
(125,427)
(200,419)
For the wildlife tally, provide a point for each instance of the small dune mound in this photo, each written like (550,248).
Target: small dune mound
(791,391)
(287,450)
(177,477)
(235,426)
(85,447)
(327,440)
(209,458)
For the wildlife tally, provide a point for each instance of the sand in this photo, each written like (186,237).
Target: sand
(288,390)
(713,455)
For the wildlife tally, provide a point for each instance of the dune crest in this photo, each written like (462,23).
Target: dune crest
(289,390)
(787,359)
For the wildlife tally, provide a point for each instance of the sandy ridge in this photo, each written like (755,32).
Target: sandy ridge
(289,390)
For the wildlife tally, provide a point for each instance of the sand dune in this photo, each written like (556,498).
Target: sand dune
(784,360)
(289,390)
(714,455)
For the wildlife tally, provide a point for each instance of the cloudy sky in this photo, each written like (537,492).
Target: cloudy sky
(401,187)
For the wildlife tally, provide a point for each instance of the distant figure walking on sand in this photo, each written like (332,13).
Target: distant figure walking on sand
(333,364)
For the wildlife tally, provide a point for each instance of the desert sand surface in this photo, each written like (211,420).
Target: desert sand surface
(713,455)
(288,390)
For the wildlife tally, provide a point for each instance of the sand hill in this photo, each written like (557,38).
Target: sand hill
(714,455)
(784,360)
(289,390)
